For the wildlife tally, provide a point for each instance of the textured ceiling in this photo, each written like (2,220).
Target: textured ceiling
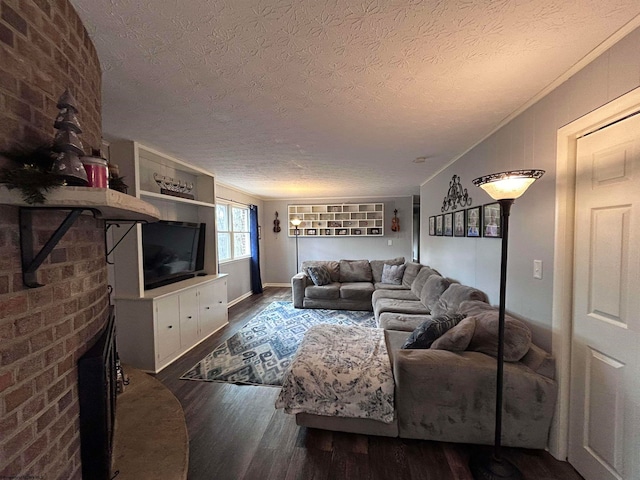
(291,98)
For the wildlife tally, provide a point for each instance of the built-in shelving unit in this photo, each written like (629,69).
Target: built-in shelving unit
(337,220)
(157,326)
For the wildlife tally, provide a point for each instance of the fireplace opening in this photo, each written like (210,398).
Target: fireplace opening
(97,391)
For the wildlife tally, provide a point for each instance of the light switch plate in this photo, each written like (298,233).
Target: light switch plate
(389,242)
(537,269)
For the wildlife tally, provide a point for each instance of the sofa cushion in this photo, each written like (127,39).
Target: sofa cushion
(378,265)
(421,279)
(517,336)
(453,296)
(456,339)
(356,290)
(319,275)
(474,307)
(410,273)
(389,286)
(429,330)
(392,274)
(433,288)
(405,322)
(331,265)
(325,292)
(355,271)
(403,294)
(399,306)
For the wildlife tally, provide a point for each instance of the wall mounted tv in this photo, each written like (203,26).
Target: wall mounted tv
(172,251)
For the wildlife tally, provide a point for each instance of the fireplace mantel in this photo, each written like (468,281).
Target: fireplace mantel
(111,206)
(106,203)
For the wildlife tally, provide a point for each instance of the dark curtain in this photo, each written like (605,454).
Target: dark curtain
(256,280)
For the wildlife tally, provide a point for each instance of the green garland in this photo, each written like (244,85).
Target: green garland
(31,181)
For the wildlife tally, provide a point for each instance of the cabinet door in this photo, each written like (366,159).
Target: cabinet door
(167,327)
(189,318)
(213,307)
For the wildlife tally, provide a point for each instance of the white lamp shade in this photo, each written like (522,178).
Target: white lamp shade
(508,185)
(296,222)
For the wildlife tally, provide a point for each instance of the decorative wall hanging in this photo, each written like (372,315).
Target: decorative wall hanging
(276,224)
(395,222)
(456,196)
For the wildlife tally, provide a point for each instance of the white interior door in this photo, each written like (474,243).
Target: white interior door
(604,434)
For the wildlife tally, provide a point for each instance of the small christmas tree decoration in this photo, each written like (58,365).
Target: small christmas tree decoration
(67,143)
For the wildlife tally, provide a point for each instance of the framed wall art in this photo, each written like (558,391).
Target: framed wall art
(473,221)
(491,227)
(448,225)
(439,225)
(458,223)
(432,226)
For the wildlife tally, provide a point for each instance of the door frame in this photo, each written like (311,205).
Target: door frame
(561,319)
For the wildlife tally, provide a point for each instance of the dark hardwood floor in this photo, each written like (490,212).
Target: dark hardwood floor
(235,433)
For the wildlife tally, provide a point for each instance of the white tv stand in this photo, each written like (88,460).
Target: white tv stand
(157,326)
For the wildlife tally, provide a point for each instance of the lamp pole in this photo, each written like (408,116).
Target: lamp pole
(504,187)
(296,223)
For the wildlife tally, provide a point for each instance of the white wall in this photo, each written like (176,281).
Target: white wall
(239,280)
(529,141)
(280,248)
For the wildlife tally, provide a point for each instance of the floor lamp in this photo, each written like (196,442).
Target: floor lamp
(296,223)
(504,187)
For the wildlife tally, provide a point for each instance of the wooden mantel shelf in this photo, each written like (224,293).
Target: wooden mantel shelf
(108,204)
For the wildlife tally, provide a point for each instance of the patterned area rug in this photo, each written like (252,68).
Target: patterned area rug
(260,353)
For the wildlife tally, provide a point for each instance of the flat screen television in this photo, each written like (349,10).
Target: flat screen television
(172,251)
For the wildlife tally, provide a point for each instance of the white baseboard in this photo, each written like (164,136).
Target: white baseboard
(277,285)
(239,299)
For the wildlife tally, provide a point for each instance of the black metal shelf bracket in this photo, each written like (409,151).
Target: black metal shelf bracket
(115,222)
(31,261)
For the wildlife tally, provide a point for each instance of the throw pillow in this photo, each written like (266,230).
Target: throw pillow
(431,329)
(319,275)
(377,265)
(457,338)
(392,274)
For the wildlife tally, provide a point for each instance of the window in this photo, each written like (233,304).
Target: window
(233,232)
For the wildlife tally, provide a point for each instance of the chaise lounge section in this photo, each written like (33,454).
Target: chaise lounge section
(446,391)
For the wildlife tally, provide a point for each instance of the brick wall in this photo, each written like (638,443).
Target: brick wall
(44,49)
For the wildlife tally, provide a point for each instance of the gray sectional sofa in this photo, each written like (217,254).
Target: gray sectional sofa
(446,392)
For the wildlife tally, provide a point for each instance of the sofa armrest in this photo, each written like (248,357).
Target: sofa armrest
(450,396)
(298,285)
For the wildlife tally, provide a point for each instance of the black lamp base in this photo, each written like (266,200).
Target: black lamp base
(485,467)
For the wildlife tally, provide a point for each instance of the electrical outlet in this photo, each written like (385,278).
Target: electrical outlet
(537,269)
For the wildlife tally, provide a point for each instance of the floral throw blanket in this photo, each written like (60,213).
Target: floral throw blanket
(342,372)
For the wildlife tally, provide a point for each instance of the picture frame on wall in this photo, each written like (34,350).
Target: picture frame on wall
(432,226)
(311,231)
(439,229)
(458,223)
(448,225)
(473,223)
(491,227)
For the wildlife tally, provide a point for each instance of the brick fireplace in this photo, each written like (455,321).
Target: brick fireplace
(44,48)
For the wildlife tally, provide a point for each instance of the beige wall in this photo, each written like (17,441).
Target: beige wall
(529,141)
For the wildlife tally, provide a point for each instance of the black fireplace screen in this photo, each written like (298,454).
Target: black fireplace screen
(97,394)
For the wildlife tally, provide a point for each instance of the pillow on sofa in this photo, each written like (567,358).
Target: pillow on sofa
(378,265)
(457,338)
(392,274)
(430,330)
(517,336)
(433,288)
(355,271)
(332,267)
(319,275)
(453,296)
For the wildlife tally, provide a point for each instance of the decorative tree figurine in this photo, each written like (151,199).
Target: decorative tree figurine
(67,144)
